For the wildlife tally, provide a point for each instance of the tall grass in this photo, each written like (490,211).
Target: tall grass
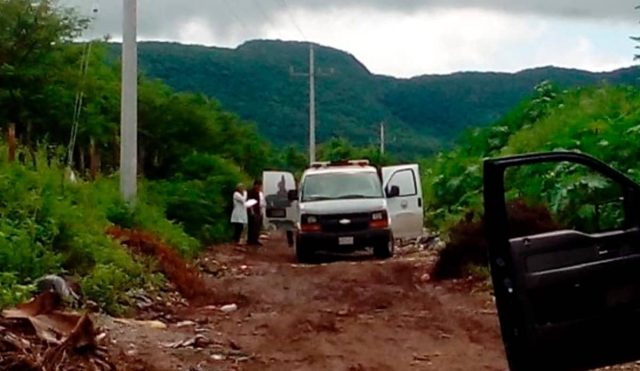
(49,225)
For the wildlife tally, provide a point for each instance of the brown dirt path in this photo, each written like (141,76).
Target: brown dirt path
(352,314)
(349,314)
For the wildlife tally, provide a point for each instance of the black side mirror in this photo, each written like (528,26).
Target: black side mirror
(292,195)
(392,192)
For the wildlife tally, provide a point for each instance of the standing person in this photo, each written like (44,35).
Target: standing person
(290,236)
(290,228)
(255,219)
(239,213)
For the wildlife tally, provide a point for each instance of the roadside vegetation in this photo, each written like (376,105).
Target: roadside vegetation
(601,121)
(59,111)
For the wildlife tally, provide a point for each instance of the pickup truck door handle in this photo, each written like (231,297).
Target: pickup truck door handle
(403,204)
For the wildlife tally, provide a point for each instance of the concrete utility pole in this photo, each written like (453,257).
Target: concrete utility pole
(129,104)
(312,99)
(382,138)
(312,105)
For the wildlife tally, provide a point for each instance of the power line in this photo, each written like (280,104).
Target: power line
(78,104)
(265,15)
(236,16)
(293,20)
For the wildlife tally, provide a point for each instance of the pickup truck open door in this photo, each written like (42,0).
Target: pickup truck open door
(566,300)
(279,209)
(403,189)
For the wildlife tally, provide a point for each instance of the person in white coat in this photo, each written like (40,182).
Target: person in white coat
(239,214)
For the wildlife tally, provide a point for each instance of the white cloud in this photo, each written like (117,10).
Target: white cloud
(426,42)
(437,41)
(581,54)
(196,32)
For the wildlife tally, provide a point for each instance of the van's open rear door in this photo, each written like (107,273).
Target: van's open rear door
(566,300)
(275,185)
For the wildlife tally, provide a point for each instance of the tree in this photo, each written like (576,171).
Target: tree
(32,34)
(636,39)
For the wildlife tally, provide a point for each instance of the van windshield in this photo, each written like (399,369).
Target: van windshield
(335,186)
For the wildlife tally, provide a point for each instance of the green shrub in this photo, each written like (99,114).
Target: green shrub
(11,291)
(50,226)
(199,197)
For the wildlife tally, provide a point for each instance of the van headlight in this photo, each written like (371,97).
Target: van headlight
(309,223)
(380,215)
(379,220)
(309,219)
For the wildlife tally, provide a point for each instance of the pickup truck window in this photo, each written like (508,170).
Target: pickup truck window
(335,186)
(581,199)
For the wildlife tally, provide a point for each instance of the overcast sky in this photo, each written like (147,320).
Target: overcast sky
(402,37)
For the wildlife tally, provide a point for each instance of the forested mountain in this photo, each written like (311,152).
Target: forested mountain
(422,113)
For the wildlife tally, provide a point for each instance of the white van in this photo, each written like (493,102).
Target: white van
(345,206)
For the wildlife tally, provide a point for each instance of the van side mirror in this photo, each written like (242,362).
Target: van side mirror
(392,192)
(292,195)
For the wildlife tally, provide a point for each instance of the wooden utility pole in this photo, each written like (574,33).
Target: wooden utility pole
(312,99)
(11,140)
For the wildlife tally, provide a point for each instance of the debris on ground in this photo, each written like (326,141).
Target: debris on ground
(429,241)
(132,322)
(40,335)
(69,291)
(229,308)
(197,341)
(211,267)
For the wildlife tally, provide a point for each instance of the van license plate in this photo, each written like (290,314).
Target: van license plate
(345,240)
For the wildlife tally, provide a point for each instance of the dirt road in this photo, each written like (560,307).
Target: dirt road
(258,310)
(352,314)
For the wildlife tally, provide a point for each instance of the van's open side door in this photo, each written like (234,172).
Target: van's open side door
(567,300)
(405,208)
(275,186)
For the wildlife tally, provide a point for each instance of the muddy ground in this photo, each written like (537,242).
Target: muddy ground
(344,314)
(259,310)
(352,313)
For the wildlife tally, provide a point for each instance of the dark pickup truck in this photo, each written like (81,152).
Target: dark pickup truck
(566,300)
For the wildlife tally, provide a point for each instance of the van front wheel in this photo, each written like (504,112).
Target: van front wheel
(303,255)
(384,250)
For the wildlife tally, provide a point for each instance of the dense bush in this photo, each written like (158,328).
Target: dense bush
(199,196)
(51,226)
(601,121)
(468,247)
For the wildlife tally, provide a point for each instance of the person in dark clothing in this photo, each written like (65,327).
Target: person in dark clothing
(291,227)
(290,238)
(255,215)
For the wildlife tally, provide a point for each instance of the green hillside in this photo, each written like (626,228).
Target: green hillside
(423,113)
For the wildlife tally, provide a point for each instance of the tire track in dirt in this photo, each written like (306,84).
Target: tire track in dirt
(358,314)
(350,314)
